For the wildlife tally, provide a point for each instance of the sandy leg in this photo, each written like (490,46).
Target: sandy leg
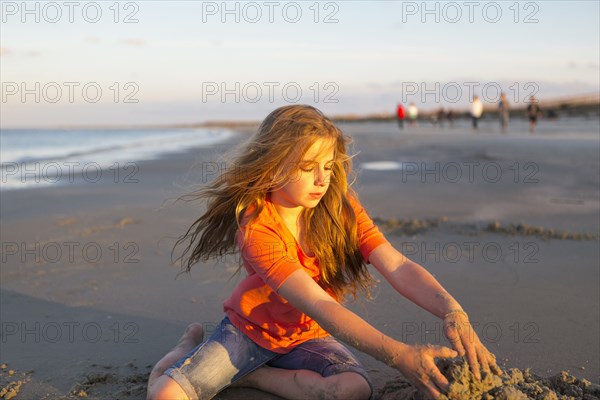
(301,384)
(191,338)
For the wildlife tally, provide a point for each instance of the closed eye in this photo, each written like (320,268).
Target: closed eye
(307,168)
(310,166)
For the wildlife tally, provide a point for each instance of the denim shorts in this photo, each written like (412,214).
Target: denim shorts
(228,355)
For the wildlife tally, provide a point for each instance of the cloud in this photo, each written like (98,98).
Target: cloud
(240,44)
(4,51)
(589,65)
(93,39)
(133,41)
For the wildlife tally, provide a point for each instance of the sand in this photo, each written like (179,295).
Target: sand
(521,256)
(512,384)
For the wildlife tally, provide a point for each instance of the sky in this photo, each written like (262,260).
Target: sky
(158,62)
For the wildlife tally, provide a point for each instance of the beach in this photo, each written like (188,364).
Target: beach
(509,225)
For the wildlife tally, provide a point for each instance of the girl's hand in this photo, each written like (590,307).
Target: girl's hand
(417,364)
(465,341)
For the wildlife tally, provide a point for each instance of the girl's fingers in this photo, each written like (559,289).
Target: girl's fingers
(453,335)
(443,352)
(472,360)
(493,365)
(433,382)
(457,343)
(431,391)
(497,370)
(440,380)
(484,360)
(487,360)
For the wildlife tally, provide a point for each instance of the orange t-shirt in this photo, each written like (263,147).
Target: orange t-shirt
(270,255)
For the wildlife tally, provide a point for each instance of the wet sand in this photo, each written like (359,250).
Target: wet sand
(508,224)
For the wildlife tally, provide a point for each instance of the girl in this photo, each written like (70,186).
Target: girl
(304,240)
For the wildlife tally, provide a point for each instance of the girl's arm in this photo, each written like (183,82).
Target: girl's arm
(416,284)
(412,281)
(415,362)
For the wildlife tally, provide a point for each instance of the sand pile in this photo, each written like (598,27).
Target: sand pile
(408,227)
(541,232)
(411,227)
(513,384)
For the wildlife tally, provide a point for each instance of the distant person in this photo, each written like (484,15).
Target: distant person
(434,118)
(413,113)
(450,117)
(533,112)
(400,115)
(503,112)
(441,116)
(476,111)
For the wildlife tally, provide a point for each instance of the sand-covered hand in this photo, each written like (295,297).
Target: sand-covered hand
(417,364)
(465,341)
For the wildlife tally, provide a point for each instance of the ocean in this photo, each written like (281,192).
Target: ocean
(48,157)
(44,157)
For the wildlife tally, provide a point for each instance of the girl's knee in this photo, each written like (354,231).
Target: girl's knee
(348,386)
(165,388)
(159,369)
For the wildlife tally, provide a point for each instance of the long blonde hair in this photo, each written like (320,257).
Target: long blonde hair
(262,165)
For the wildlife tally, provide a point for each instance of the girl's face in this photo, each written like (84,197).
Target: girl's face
(310,180)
